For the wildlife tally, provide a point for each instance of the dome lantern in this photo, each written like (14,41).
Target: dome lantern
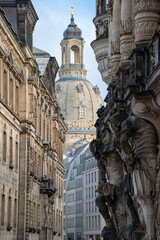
(72,30)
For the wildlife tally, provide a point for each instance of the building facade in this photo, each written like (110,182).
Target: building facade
(32,133)
(128,133)
(73,194)
(92,220)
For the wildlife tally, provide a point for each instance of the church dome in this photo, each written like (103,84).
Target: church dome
(72,31)
(78,99)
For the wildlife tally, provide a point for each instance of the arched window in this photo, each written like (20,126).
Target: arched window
(81,113)
(75,57)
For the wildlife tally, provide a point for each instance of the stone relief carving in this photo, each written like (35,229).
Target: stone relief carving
(115,47)
(145,27)
(128,159)
(126,48)
(79,88)
(102,29)
(147,5)
(126,26)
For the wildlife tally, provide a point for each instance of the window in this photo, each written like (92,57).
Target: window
(78,221)
(86,207)
(95,177)
(92,222)
(86,223)
(11,90)
(2,209)
(70,222)
(78,195)
(92,177)
(17,99)
(76,74)
(5,87)
(81,113)
(89,223)
(11,151)
(4,145)
(70,209)
(99,222)
(95,221)
(79,208)
(15,212)
(9,211)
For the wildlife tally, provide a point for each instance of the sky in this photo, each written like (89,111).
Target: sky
(54,17)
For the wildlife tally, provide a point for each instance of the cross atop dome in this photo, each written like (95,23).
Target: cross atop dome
(72,13)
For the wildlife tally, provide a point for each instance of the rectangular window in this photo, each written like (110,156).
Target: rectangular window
(96,222)
(79,222)
(5,87)
(11,152)
(95,177)
(11,93)
(2,210)
(86,223)
(92,222)
(86,207)
(99,223)
(79,208)
(15,213)
(89,210)
(4,146)
(9,211)
(17,99)
(70,222)
(16,155)
(78,195)
(89,223)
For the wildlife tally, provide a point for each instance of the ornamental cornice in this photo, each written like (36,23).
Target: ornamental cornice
(147,5)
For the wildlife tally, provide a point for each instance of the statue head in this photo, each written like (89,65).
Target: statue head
(116,119)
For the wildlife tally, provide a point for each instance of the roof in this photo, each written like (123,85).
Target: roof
(73,93)
(40,52)
(42,59)
(72,31)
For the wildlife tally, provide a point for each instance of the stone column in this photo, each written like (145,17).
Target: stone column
(115,43)
(126,29)
(146,20)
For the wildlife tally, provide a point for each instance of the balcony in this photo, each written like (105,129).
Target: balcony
(46,187)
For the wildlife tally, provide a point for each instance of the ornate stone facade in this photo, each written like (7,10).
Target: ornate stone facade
(128,131)
(32,134)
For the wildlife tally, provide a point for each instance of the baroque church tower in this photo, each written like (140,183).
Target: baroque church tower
(76,96)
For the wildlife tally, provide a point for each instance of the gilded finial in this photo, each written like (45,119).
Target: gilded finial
(72,13)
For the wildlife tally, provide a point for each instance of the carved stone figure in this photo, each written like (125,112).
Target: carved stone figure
(138,140)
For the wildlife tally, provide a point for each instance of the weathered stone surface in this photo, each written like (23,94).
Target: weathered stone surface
(128,132)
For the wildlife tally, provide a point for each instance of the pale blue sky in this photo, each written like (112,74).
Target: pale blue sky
(54,17)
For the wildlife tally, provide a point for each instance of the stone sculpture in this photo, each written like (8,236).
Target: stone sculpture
(127,157)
